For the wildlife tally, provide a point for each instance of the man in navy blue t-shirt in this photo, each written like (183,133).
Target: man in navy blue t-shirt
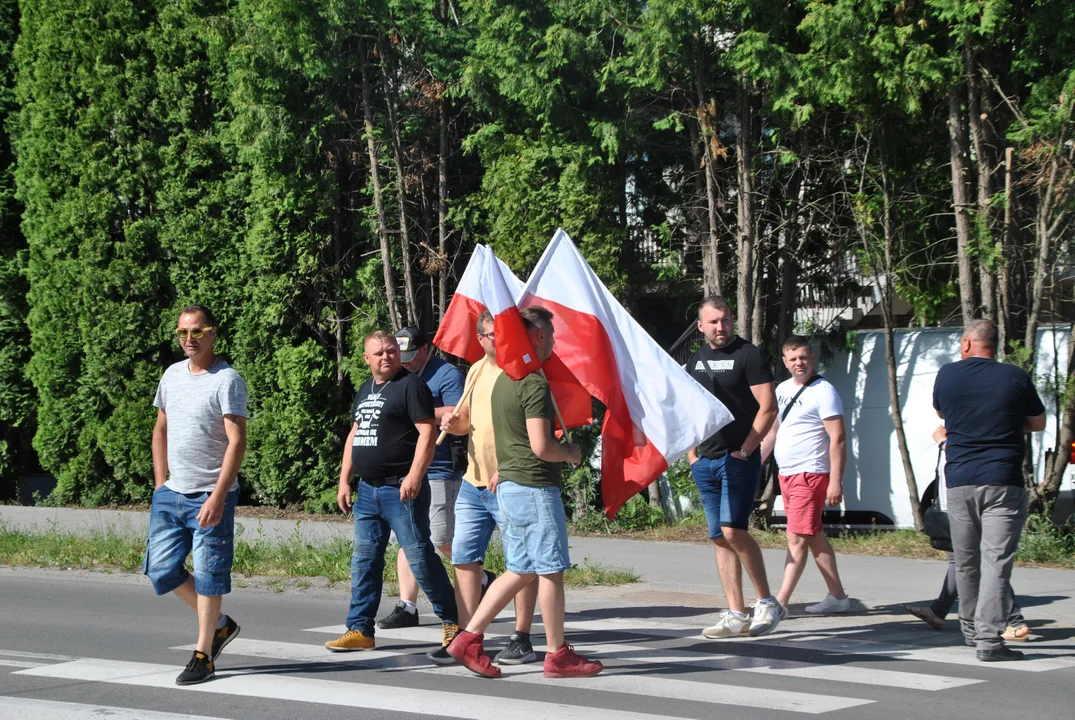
(987,407)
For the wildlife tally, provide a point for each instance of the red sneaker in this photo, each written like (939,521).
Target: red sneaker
(566,663)
(467,648)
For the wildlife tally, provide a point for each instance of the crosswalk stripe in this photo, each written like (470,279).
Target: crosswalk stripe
(16,708)
(866,676)
(332,692)
(19,663)
(622,679)
(949,655)
(33,655)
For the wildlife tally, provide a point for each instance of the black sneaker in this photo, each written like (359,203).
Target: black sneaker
(490,576)
(1000,654)
(399,618)
(199,669)
(518,652)
(440,656)
(223,636)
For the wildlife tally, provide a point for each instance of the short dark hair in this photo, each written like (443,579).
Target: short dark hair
(794,342)
(535,317)
(485,317)
(380,334)
(983,331)
(717,302)
(210,319)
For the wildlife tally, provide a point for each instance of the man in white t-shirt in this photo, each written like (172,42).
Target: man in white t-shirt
(810,449)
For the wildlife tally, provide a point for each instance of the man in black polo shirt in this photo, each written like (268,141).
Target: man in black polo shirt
(987,407)
(727,466)
(390,447)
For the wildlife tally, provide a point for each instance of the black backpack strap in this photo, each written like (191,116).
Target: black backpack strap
(784,415)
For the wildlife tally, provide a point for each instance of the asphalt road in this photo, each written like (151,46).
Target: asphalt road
(81,645)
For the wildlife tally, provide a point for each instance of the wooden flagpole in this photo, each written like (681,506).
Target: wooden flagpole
(467,392)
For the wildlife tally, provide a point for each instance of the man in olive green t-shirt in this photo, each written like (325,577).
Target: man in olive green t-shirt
(527,485)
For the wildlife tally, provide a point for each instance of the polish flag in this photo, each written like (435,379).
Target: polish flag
(514,353)
(656,411)
(458,335)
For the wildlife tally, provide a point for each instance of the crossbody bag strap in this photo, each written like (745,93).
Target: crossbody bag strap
(784,415)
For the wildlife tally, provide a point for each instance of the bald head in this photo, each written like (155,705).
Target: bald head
(980,339)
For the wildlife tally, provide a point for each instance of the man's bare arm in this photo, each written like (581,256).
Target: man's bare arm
(766,397)
(160,449)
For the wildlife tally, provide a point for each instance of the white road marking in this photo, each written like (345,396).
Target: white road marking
(17,708)
(960,655)
(332,692)
(624,679)
(35,656)
(866,676)
(19,663)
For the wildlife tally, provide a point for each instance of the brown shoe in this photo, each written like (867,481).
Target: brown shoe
(1016,633)
(925,613)
(351,641)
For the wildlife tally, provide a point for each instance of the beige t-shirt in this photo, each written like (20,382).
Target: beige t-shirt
(481,447)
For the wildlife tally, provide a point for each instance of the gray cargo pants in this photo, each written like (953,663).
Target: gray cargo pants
(986,522)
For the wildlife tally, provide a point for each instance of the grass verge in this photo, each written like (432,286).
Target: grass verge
(1043,544)
(293,558)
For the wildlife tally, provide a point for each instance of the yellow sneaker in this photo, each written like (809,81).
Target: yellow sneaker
(351,641)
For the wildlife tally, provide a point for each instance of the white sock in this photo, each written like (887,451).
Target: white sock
(222,621)
(409,606)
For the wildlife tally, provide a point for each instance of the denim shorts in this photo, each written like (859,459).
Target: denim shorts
(535,528)
(727,486)
(477,512)
(174,534)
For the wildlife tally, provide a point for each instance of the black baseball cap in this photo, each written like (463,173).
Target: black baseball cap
(410,339)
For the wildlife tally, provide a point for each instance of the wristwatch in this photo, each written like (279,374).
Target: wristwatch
(742,454)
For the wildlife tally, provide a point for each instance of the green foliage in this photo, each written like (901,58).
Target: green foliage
(1045,542)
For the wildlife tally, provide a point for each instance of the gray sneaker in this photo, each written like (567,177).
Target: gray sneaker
(518,652)
(767,615)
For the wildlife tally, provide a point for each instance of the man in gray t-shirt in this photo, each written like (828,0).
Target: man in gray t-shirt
(198,444)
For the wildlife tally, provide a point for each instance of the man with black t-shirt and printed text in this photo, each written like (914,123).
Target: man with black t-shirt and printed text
(727,466)
(390,447)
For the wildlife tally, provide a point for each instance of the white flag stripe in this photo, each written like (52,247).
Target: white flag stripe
(498,296)
(961,655)
(17,708)
(470,283)
(654,385)
(332,692)
(623,679)
(865,676)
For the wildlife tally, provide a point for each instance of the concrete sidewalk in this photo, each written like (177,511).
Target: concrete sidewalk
(673,574)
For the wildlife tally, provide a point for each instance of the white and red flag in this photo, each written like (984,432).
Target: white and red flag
(656,411)
(514,353)
(457,333)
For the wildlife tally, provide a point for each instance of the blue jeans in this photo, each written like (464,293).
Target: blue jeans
(727,486)
(379,512)
(477,512)
(535,537)
(174,532)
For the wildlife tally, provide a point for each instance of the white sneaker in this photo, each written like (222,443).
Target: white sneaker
(767,614)
(829,606)
(731,624)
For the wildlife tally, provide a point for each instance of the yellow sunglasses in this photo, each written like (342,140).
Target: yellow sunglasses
(196,333)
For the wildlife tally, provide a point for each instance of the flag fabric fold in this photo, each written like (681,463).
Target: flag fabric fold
(656,412)
(514,353)
(457,334)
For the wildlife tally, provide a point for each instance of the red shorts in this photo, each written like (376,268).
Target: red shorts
(804,500)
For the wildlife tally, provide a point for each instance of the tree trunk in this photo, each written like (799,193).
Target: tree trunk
(710,147)
(378,196)
(977,112)
(1041,263)
(1004,316)
(699,217)
(392,101)
(442,211)
(887,310)
(744,163)
(958,153)
(1053,474)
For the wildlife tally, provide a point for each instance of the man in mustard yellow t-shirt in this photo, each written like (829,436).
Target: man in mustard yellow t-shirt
(476,509)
